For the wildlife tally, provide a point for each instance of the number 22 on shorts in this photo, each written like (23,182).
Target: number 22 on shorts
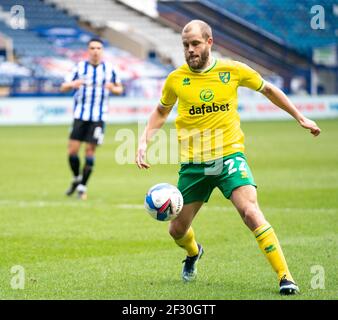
(240,165)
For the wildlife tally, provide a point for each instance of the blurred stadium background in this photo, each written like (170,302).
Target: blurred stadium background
(293,44)
(107,247)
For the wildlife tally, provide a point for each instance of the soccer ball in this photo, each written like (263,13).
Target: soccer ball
(163,202)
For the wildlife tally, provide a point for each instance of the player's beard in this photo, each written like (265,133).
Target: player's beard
(199,63)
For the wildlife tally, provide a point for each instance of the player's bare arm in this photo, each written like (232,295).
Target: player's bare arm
(279,98)
(72,85)
(115,88)
(156,121)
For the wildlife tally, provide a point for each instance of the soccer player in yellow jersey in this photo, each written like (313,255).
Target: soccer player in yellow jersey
(212,144)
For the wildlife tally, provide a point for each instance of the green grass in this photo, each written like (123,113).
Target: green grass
(109,248)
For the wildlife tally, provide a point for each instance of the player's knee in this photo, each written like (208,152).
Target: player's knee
(90,150)
(73,148)
(177,231)
(73,152)
(251,213)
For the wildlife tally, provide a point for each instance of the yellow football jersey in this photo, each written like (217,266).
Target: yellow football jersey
(208,123)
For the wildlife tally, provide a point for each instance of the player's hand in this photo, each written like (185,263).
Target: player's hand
(114,88)
(309,124)
(76,84)
(109,86)
(140,156)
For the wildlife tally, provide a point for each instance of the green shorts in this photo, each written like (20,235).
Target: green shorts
(197,181)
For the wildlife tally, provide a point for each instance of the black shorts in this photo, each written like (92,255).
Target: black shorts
(88,131)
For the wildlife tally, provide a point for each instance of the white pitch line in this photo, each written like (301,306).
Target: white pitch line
(125,206)
(129,206)
(267,209)
(229,209)
(36,204)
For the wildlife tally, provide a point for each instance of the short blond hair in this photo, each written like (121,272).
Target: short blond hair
(204,28)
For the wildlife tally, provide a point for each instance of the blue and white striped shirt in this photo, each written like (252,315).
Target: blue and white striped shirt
(91,99)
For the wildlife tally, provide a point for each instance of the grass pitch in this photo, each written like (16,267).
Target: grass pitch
(109,248)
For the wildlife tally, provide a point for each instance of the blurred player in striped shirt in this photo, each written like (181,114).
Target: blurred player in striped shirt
(93,80)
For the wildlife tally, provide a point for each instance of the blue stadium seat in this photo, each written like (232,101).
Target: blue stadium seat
(288,19)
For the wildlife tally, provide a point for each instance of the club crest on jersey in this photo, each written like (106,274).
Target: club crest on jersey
(224,76)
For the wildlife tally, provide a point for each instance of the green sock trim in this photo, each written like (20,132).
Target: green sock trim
(263,232)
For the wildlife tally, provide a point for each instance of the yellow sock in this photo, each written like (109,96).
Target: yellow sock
(188,243)
(269,244)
